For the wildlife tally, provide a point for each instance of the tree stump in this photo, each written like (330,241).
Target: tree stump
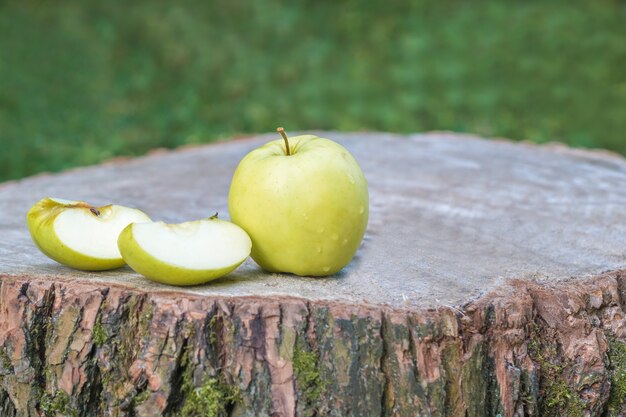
(491,282)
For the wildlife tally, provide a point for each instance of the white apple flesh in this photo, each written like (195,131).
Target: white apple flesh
(304,202)
(80,235)
(188,253)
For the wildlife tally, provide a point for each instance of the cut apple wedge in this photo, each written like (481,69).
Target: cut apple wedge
(188,253)
(80,235)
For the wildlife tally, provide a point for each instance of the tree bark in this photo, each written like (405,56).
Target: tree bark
(84,349)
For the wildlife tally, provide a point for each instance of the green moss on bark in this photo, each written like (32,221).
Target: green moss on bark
(309,380)
(559,399)
(56,405)
(142,397)
(214,329)
(617,363)
(145,319)
(6,366)
(212,399)
(99,334)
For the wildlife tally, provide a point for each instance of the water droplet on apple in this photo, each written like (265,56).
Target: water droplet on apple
(361,210)
(344,242)
(321,230)
(319,249)
(306,216)
(335,236)
(351,179)
(326,268)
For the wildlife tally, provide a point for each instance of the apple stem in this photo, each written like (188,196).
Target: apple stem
(213,217)
(82,204)
(284,135)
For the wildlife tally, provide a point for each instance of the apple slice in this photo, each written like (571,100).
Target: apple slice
(188,253)
(78,234)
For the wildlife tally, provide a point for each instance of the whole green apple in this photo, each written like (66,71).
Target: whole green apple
(304,202)
(188,253)
(78,234)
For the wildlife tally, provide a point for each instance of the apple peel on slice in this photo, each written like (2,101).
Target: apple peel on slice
(80,235)
(189,253)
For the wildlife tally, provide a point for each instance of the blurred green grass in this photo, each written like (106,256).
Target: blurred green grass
(83,81)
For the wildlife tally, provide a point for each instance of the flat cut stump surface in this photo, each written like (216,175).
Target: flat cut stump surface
(491,281)
(451,216)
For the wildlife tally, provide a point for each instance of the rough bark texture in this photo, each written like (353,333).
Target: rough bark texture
(527,349)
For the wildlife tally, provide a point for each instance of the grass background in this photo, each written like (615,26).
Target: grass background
(82,81)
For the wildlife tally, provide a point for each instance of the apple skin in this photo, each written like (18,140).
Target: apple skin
(150,267)
(306,212)
(40,220)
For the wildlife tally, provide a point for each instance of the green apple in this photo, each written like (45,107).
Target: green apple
(78,234)
(188,253)
(304,202)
